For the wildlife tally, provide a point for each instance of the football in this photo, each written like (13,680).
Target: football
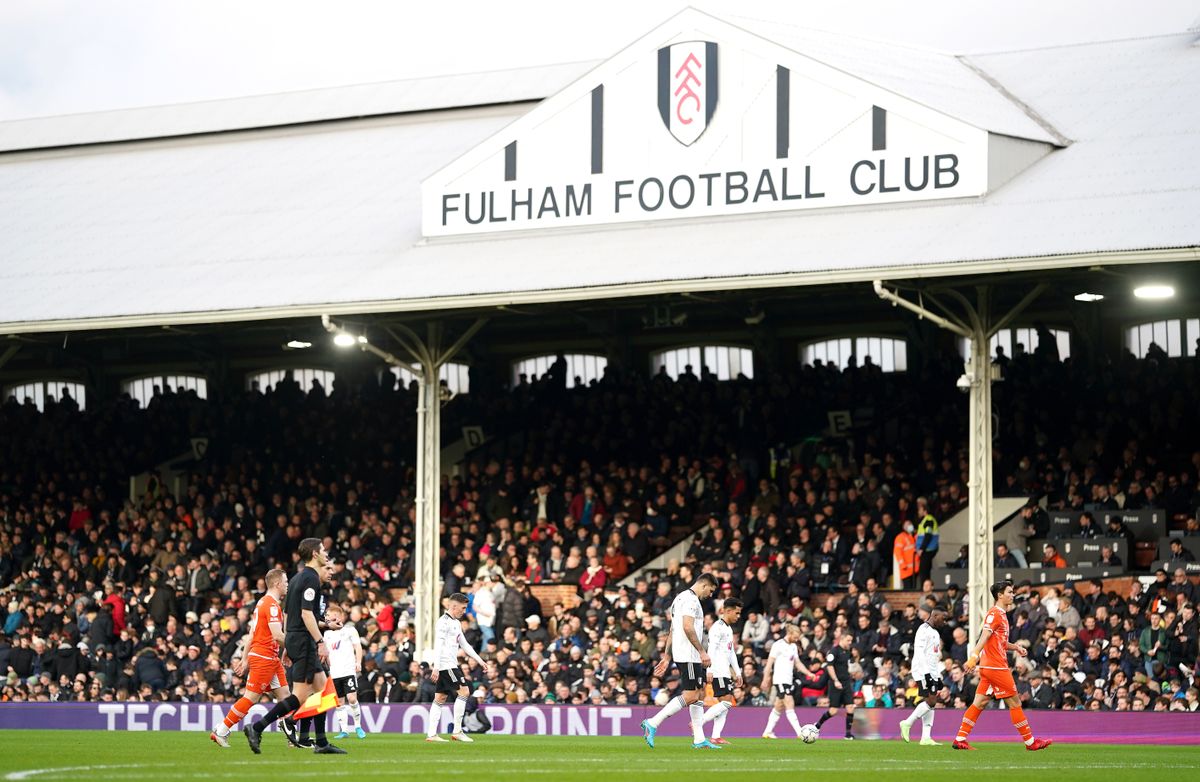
(809,733)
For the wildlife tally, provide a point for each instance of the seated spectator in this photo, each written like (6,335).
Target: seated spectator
(1004,558)
(1051,558)
(1178,553)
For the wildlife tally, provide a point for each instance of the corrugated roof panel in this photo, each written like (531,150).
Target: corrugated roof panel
(938,80)
(290,108)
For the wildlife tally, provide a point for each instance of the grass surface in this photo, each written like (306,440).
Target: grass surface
(93,755)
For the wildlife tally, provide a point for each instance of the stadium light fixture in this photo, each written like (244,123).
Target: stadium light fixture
(344,340)
(297,344)
(1089,297)
(1154,291)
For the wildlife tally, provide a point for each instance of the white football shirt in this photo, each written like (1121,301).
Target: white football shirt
(341,645)
(448,639)
(720,651)
(686,603)
(784,654)
(927,653)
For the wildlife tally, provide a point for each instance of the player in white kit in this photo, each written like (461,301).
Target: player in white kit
(447,675)
(687,627)
(927,671)
(345,664)
(725,672)
(782,663)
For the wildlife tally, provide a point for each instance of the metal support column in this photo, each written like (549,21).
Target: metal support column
(978,329)
(981,544)
(428,533)
(427,359)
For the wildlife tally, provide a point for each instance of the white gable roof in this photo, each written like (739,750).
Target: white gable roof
(326,217)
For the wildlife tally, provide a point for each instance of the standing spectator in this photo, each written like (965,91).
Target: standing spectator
(904,551)
(100,633)
(927,538)
(484,607)
(199,582)
(1153,644)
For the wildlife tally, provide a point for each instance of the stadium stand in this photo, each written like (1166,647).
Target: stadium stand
(106,597)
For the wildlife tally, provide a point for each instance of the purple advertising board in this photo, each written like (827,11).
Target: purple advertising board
(541,720)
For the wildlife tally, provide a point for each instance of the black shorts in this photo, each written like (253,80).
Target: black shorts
(722,687)
(303,652)
(839,698)
(345,684)
(691,676)
(928,685)
(784,689)
(450,680)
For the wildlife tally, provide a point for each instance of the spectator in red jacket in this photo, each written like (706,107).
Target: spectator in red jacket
(616,564)
(118,610)
(585,506)
(593,576)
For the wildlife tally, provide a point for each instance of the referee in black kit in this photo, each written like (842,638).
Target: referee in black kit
(304,645)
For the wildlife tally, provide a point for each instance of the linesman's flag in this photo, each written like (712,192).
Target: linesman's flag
(318,702)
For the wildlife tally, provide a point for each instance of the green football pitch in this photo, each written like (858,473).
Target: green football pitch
(86,755)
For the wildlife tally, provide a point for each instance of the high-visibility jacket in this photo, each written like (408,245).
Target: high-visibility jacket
(927,533)
(905,553)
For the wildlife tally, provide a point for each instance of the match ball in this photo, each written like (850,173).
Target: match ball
(809,733)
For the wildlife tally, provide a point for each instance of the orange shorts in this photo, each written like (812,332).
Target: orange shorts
(265,674)
(998,681)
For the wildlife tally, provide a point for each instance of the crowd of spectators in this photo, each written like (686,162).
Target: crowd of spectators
(105,597)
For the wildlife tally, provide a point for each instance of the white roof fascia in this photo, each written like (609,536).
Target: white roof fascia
(548,296)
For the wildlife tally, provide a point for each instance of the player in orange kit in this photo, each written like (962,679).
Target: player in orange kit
(260,656)
(995,678)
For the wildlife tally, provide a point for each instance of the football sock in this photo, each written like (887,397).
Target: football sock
(674,706)
(772,719)
(339,719)
(715,710)
(927,724)
(305,728)
(236,712)
(696,715)
(825,718)
(435,719)
(285,706)
(356,713)
(793,720)
(319,723)
(968,722)
(849,722)
(1021,724)
(460,709)
(719,720)
(918,713)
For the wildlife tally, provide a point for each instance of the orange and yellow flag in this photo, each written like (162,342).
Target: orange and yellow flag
(318,702)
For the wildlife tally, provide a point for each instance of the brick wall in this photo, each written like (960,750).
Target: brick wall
(549,594)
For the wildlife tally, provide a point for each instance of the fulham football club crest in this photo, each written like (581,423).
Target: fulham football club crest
(687,88)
